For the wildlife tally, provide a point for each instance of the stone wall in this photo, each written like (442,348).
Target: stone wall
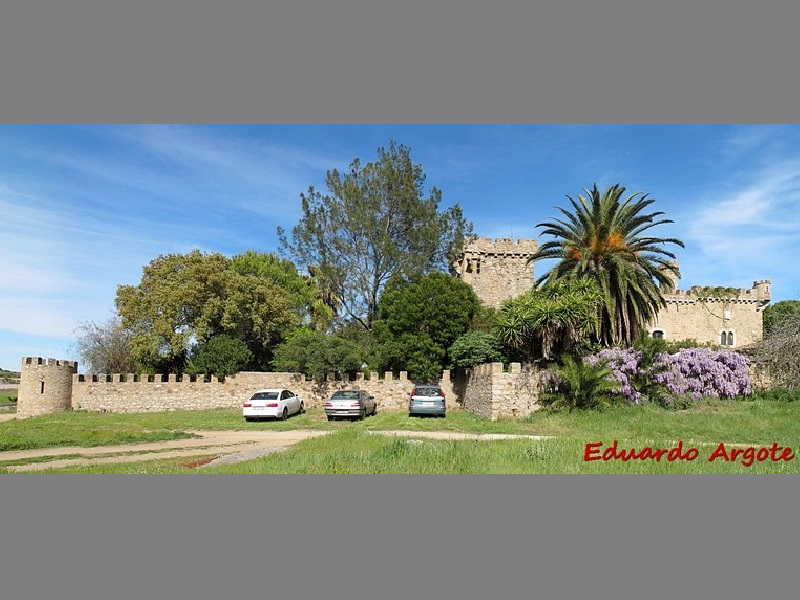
(123,393)
(491,392)
(689,317)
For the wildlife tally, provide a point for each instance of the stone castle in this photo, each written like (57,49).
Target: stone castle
(498,270)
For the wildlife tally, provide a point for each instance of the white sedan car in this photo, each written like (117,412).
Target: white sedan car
(274,404)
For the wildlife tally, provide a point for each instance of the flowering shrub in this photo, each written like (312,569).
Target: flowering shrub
(689,373)
(697,372)
(625,365)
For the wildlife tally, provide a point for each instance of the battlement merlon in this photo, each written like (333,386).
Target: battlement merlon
(29,361)
(485,245)
(760,292)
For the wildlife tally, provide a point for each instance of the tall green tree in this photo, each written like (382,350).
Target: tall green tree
(606,237)
(307,297)
(185,300)
(421,319)
(476,348)
(376,221)
(316,353)
(221,355)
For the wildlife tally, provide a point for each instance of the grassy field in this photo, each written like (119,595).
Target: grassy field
(765,424)
(6,398)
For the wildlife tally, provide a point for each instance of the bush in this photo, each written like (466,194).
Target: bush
(691,373)
(579,384)
(221,355)
(476,348)
(698,372)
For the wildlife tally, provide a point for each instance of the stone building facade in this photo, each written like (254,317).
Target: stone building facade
(496,269)
(730,320)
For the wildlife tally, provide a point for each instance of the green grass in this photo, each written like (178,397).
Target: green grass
(6,398)
(354,451)
(88,429)
(83,430)
(758,422)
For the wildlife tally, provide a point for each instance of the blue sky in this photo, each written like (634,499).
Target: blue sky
(85,207)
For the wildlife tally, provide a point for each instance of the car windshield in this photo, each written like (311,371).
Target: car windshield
(265,396)
(427,391)
(345,395)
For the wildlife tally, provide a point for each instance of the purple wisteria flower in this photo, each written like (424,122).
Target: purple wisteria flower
(690,373)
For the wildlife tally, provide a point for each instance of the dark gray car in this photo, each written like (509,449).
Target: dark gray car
(427,400)
(350,404)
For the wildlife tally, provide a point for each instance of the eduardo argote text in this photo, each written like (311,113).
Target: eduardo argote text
(746,454)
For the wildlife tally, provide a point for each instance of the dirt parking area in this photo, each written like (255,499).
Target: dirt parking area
(217,446)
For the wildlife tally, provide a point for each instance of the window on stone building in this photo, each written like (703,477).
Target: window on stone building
(730,338)
(723,338)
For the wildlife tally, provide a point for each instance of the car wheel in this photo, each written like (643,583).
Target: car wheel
(285,414)
(374,409)
(302,408)
(248,419)
(330,418)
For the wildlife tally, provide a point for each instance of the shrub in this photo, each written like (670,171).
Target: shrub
(698,372)
(579,384)
(476,348)
(661,377)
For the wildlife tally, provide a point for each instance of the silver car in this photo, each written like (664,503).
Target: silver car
(427,400)
(350,404)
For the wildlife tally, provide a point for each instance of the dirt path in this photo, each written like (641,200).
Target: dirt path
(220,446)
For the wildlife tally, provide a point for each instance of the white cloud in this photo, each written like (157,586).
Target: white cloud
(741,234)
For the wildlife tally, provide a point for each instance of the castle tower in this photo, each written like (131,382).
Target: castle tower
(496,269)
(762,291)
(671,271)
(45,386)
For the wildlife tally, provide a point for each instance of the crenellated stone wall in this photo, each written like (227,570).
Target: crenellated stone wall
(486,390)
(125,393)
(690,317)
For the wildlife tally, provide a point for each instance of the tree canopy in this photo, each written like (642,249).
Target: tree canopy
(376,221)
(104,347)
(778,354)
(604,237)
(187,299)
(420,320)
(316,353)
(775,315)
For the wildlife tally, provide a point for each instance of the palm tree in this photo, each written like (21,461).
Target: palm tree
(581,385)
(602,238)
